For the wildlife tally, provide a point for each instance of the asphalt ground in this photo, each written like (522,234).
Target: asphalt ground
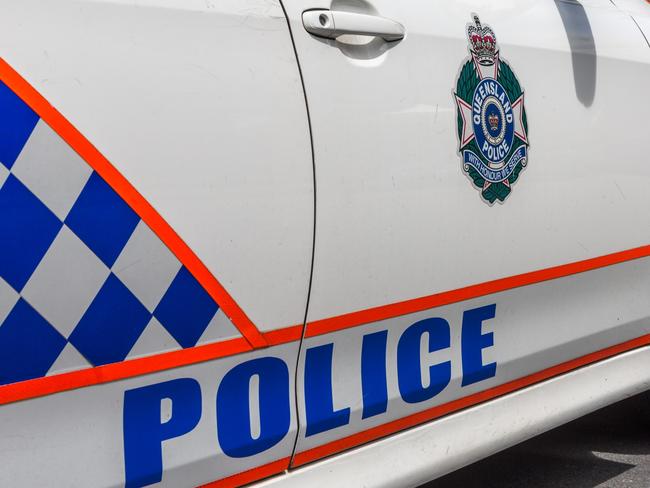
(608,449)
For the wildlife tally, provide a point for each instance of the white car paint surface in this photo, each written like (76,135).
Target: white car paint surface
(238,242)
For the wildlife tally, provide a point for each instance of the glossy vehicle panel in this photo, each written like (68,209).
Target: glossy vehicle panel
(208,126)
(175,311)
(175,196)
(397,220)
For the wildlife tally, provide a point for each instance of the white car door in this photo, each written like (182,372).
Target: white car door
(481,196)
(156,225)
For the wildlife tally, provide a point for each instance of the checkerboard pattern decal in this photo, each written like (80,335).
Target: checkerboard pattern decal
(83,280)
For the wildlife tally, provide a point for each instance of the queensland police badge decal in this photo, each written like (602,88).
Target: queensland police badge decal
(492,126)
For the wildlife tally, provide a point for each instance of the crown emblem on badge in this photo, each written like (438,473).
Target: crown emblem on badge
(493,120)
(483,42)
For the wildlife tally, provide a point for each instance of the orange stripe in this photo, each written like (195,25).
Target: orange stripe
(136,201)
(282,336)
(468,401)
(135,367)
(251,475)
(345,321)
(77,379)
(118,371)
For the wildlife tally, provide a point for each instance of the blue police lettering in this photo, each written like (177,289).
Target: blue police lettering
(473,341)
(374,387)
(233,415)
(319,404)
(408,360)
(144,432)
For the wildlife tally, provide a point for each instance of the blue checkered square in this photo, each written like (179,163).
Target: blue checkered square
(17,121)
(186,309)
(102,219)
(27,228)
(111,325)
(28,344)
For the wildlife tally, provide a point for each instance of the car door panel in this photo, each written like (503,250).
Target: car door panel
(443,299)
(156,225)
(152,87)
(425,298)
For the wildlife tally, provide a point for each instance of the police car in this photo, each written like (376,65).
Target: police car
(315,243)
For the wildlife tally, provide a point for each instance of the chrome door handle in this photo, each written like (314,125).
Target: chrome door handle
(332,24)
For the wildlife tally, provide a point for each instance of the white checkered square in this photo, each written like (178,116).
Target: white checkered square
(8,298)
(220,328)
(65,282)
(4,173)
(154,339)
(52,171)
(69,360)
(146,266)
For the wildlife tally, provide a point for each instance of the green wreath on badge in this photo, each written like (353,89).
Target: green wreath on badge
(467,83)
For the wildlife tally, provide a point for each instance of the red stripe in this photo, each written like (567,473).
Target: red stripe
(468,401)
(251,475)
(282,336)
(131,196)
(118,371)
(345,321)
(48,385)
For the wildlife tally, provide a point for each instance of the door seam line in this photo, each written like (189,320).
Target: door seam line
(313,250)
